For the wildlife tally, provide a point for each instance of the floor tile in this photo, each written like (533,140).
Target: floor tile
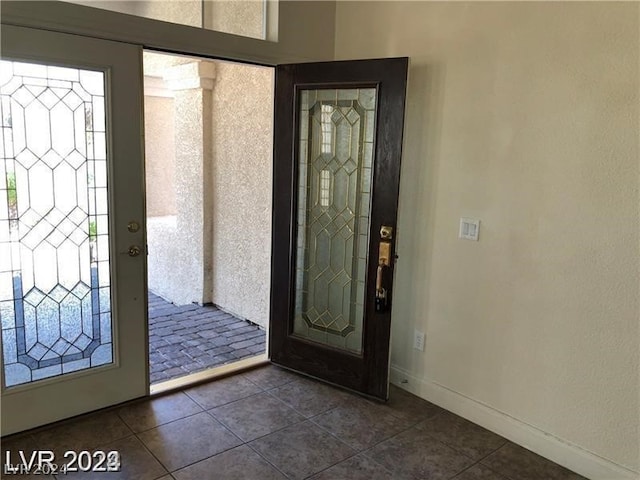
(136,463)
(22,442)
(479,472)
(310,398)
(240,463)
(83,433)
(359,467)
(14,445)
(270,376)
(519,463)
(150,413)
(173,433)
(256,416)
(220,392)
(410,407)
(463,435)
(414,453)
(361,424)
(302,450)
(188,440)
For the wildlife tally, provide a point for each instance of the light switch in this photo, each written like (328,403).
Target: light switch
(469,229)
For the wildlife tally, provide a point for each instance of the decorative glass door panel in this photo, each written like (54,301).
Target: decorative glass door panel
(337,147)
(55,299)
(337,132)
(72,288)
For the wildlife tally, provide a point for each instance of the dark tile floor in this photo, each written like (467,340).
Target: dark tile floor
(190,338)
(271,424)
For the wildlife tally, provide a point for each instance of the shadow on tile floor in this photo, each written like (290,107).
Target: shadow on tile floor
(271,424)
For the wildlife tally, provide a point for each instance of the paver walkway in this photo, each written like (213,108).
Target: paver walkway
(190,338)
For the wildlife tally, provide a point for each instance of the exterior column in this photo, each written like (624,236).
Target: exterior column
(192,84)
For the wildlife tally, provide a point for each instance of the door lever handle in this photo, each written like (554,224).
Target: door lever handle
(380,290)
(384,262)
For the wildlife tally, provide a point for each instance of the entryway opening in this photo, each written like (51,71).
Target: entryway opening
(208,160)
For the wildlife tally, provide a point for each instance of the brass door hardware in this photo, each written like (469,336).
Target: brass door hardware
(386,232)
(133,226)
(382,273)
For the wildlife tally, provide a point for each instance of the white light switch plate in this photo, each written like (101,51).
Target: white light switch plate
(469,228)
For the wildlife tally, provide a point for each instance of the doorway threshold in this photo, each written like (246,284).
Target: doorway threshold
(207,375)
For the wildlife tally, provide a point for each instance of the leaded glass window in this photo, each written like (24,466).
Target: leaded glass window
(335,167)
(55,298)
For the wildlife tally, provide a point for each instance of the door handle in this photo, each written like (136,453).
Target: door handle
(384,263)
(382,301)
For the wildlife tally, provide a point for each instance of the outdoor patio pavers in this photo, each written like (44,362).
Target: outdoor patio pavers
(191,338)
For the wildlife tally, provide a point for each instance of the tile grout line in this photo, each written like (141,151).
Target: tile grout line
(144,445)
(266,459)
(170,472)
(304,419)
(459,451)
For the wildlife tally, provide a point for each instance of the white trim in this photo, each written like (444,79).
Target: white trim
(543,443)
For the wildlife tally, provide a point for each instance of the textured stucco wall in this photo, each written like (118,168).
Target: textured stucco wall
(192,279)
(524,115)
(162,240)
(218,246)
(179,262)
(159,130)
(240,17)
(242,150)
(186,12)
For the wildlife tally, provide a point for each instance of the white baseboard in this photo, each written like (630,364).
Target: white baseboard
(555,449)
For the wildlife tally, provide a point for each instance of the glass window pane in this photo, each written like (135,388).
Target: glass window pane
(247,18)
(334,175)
(55,293)
(239,17)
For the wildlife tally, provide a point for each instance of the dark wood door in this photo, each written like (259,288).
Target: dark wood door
(337,150)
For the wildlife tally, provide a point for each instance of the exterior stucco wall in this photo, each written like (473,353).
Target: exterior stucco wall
(242,151)
(160,156)
(223,206)
(239,17)
(179,261)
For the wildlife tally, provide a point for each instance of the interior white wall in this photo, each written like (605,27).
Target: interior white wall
(524,115)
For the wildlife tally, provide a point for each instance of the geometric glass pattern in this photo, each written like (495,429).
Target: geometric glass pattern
(55,296)
(337,133)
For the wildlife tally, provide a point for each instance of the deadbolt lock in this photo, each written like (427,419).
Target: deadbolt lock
(133,226)
(386,232)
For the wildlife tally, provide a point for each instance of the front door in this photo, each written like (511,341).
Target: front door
(72,262)
(337,152)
